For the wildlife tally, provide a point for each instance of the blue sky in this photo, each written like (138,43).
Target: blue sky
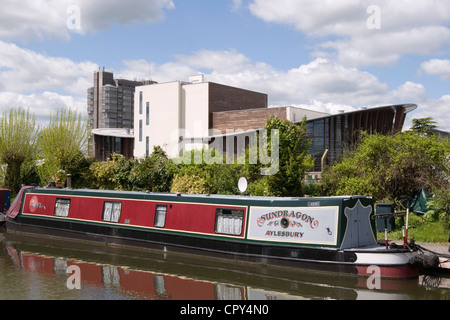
(325,55)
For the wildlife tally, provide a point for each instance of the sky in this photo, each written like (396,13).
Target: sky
(324,55)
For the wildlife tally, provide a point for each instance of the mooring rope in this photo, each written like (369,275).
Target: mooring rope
(433,252)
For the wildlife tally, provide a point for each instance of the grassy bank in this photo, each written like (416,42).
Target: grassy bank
(419,229)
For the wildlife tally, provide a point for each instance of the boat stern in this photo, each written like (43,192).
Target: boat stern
(387,263)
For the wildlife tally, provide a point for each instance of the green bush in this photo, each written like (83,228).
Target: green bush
(389,167)
(154,173)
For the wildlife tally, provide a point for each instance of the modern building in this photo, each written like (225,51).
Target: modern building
(330,135)
(170,114)
(179,116)
(110,105)
(133,117)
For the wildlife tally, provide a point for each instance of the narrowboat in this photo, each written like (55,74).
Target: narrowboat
(329,234)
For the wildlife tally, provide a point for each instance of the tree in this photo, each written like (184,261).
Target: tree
(424,126)
(392,166)
(103,174)
(294,159)
(206,177)
(18,132)
(61,145)
(153,173)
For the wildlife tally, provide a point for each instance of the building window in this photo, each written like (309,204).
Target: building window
(140,130)
(62,207)
(160,216)
(118,145)
(141,99)
(229,221)
(111,211)
(147,146)
(147,114)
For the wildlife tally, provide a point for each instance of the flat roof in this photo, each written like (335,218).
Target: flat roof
(114,132)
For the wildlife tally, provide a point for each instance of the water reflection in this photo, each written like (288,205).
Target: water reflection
(37,268)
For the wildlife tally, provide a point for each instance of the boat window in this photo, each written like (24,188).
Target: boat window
(229,221)
(62,207)
(160,216)
(111,211)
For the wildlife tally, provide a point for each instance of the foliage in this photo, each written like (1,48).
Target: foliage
(61,144)
(294,159)
(18,133)
(424,126)
(103,173)
(260,187)
(289,157)
(189,184)
(28,173)
(440,207)
(195,175)
(388,167)
(420,229)
(154,173)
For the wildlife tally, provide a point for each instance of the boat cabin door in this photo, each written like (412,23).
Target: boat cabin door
(359,230)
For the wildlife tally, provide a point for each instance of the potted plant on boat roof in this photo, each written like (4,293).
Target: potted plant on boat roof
(60,177)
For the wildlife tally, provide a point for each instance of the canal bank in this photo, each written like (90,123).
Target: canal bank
(441,248)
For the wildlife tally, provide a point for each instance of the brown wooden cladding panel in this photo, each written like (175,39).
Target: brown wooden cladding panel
(245,119)
(225,98)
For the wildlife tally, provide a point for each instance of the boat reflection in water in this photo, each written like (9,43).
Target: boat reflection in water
(116,273)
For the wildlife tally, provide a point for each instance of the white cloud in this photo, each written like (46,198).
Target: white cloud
(42,105)
(45,84)
(409,92)
(322,84)
(23,70)
(406,27)
(314,17)
(437,67)
(380,48)
(30,19)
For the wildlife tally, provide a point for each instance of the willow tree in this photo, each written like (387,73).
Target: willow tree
(62,144)
(18,132)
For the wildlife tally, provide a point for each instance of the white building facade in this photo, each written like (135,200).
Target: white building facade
(167,114)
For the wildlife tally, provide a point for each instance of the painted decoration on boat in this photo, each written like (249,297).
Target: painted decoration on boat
(312,225)
(35,204)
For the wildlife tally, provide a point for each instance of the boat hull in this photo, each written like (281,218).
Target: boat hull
(370,262)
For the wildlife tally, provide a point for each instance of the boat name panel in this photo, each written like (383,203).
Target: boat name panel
(311,225)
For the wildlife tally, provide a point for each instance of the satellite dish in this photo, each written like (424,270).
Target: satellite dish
(242,185)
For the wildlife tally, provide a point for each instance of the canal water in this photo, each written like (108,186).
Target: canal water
(34,268)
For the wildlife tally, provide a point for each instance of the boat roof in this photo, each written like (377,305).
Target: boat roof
(180,197)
